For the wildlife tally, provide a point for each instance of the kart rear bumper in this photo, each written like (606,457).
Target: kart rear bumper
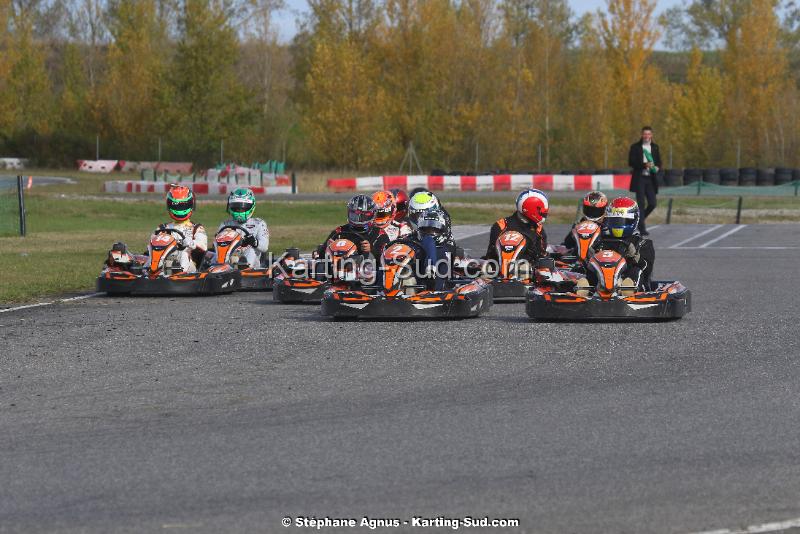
(462,302)
(216,282)
(655,305)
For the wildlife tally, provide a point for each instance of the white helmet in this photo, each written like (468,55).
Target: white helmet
(419,204)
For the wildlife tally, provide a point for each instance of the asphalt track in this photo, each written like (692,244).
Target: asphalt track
(227,414)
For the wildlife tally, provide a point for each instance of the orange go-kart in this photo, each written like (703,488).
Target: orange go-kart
(559,297)
(306,279)
(159,272)
(401,295)
(228,250)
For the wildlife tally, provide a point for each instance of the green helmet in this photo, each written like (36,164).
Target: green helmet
(241,204)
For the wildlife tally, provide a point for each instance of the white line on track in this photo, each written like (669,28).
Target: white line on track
(38,304)
(776,526)
(740,248)
(723,236)
(701,234)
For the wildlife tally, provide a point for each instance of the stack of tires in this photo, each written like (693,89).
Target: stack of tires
(673,177)
(712,176)
(729,176)
(765,177)
(691,176)
(747,176)
(783,175)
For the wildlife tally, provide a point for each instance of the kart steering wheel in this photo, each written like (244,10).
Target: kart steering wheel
(163,228)
(235,227)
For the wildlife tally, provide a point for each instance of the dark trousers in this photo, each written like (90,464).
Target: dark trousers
(646,191)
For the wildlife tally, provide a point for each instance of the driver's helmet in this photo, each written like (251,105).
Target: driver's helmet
(622,217)
(180,202)
(385,208)
(433,222)
(594,206)
(241,204)
(532,206)
(420,203)
(401,203)
(361,211)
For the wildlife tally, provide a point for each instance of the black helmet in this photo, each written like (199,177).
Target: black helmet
(433,222)
(361,211)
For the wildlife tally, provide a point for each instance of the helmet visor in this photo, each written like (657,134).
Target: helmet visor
(361,217)
(176,206)
(593,212)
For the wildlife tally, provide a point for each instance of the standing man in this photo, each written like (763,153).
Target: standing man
(645,159)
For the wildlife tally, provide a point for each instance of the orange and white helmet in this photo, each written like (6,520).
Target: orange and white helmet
(384,201)
(594,206)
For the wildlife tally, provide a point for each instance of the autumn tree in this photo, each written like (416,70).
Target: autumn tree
(134,88)
(696,115)
(755,67)
(587,107)
(211,104)
(629,32)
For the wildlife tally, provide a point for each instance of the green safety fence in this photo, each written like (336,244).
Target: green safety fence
(11,223)
(704,188)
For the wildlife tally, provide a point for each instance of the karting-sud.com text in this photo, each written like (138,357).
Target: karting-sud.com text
(373,523)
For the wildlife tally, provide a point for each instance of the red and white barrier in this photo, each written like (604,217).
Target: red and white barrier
(200,188)
(490,182)
(104,166)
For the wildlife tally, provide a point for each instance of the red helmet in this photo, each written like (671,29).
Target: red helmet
(594,206)
(401,203)
(385,208)
(532,206)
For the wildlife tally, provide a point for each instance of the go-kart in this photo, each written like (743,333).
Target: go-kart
(400,296)
(159,272)
(559,297)
(306,279)
(228,244)
(586,235)
(513,278)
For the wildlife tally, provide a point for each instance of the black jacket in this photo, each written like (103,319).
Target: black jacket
(638,252)
(376,237)
(534,234)
(636,162)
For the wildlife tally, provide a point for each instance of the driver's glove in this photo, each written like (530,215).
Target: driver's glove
(187,242)
(250,241)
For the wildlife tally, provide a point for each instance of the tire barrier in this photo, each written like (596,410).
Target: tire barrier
(673,178)
(765,177)
(488,182)
(200,188)
(691,176)
(747,176)
(783,175)
(712,176)
(729,176)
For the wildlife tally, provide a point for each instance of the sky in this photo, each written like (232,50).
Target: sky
(286,20)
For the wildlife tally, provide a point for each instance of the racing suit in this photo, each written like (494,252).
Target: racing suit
(434,261)
(639,254)
(536,246)
(258,229)
(194,245)
(397,229)
(569,241)
(376,238)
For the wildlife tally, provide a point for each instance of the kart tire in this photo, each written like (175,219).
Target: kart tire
(747,176)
